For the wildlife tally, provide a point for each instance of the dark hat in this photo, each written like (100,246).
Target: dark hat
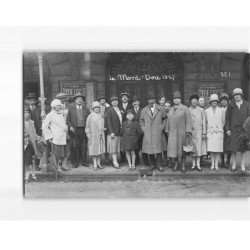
(151,95)
(224,96)
(61,96)
(125,93)
(79,94)
(177,95)
(194,96)
(31,96)
(135,98)
(102,97)
(113,98)
(130,111)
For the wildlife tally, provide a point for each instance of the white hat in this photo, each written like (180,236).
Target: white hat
(55,103)
(96,104)
(237,91)
(214,97)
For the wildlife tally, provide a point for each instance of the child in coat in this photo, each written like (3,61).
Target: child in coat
(131,132)
(30,150)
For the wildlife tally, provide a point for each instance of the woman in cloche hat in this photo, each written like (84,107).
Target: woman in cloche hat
(237,113)
(95,133)
(215,120)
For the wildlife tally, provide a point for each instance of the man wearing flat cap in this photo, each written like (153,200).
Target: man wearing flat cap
(152,124)
(76,121)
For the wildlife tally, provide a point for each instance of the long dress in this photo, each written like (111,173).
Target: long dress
(179,122)
(199,128)
(95,133)
(215,119)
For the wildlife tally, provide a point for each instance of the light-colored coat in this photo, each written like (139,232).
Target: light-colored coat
(198,130)
(215,133)
(152,127)
(95,133)
(179,122)
(55,128)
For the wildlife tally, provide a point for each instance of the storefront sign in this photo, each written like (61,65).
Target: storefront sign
(147,77)
(71,87)
(208,88)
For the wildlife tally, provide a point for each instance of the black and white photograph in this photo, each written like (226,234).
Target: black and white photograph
(136,124)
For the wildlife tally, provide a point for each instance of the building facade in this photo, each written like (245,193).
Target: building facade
(137,73)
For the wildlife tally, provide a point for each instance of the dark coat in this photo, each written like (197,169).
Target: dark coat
(235,119)
(72,116)
(124,111)
(36,117)
(137,115)
(113,122)
(131,132)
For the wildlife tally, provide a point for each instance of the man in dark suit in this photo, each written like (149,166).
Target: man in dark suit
(137,113)
(76,121)
(124,106)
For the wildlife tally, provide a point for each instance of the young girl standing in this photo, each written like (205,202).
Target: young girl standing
(131,132)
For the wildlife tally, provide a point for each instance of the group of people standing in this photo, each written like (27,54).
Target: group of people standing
(124,128)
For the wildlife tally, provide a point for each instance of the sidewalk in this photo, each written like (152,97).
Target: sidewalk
(109,173)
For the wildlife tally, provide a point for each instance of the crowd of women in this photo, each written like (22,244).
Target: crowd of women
(165,133)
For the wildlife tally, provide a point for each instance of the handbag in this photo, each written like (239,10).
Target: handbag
(188,146)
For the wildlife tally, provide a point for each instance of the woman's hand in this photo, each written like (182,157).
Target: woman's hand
(229,133)
(72,129)
(112,135)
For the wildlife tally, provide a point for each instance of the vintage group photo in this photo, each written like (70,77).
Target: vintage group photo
(136,124)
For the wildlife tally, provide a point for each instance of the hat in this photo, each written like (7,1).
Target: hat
(102,97)
(214,97)
(125,93)
(55,102)
(202,98)
(79,94)
(224,96)
(31,96)
(194,96)
(135,98)
(61,96)
(177,95)
(237,91)
(130,111)
(151,95)
(96,104)
(114,98)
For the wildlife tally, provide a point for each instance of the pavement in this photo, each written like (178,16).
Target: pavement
(109,173)
(112,183)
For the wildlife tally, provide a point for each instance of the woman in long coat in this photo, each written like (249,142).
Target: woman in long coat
(179,124)
(95,133)
(198,130)
(215,119)
(152,125)
(237,113)
(114,125)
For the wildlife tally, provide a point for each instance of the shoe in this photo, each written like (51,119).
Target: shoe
(76,165)
(243,172)
(84,164)
(65,168)
(37,168)
(133,168)
(212,168)
(233,169)
(95,168)
(59,170)
(184,171)
(34,177)
(161,169)
(223,165)
(193,167)
(227,165)
(216,168)
(99,166)
(116,165)
(199,168)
